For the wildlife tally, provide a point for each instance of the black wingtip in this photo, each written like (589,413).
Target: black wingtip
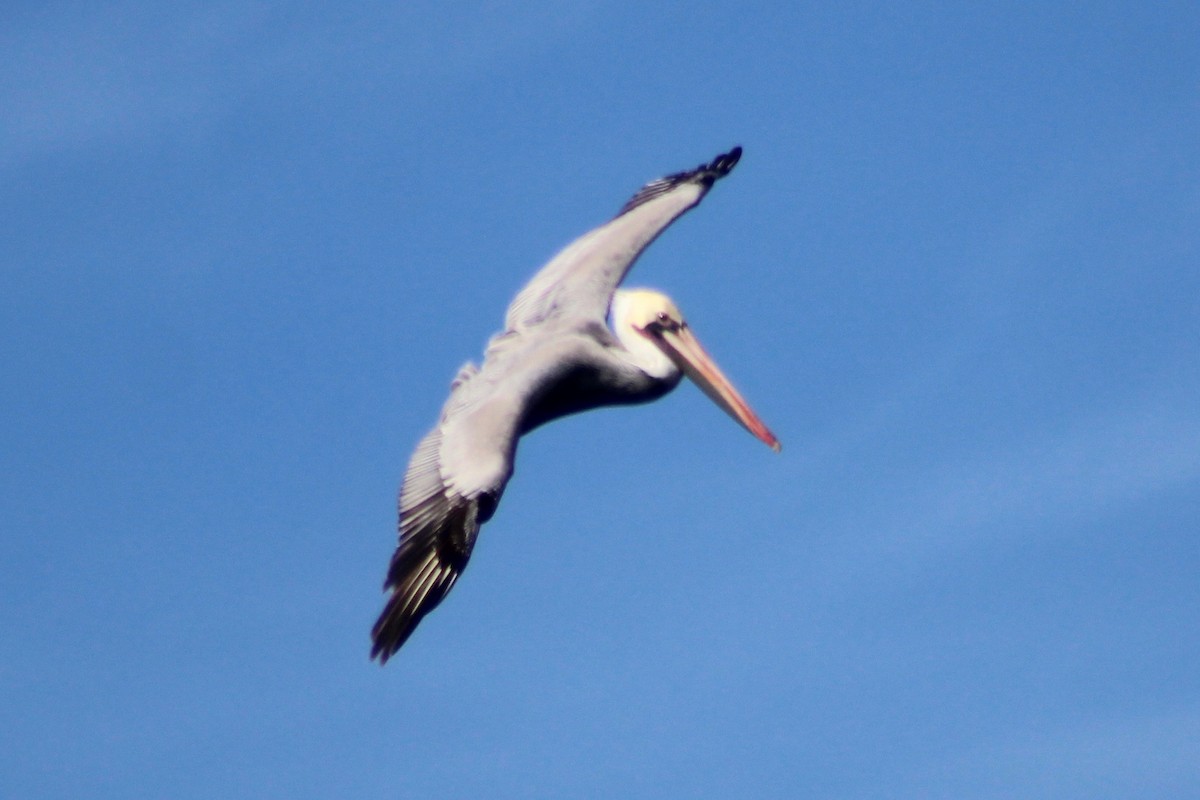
(705,174)
(724,163)
(719,167)
(391,631)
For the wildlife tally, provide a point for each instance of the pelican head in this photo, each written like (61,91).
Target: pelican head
(657,337)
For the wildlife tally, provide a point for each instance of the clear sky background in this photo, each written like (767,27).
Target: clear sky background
(245,246)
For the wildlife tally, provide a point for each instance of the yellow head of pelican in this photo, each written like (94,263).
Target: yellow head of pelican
(652,329)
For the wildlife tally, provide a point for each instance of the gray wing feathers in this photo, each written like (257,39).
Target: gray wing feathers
(445,497)
(581,279)
(707,174)
(437,532)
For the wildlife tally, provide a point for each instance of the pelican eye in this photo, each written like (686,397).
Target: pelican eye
(664,322)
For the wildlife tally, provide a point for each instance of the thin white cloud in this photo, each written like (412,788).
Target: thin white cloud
(1053,480)
(1095,465)
(113,75)
(92,78)
(1147,755)
(1102,460)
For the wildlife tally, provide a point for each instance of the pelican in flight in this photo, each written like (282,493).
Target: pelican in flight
(557,355)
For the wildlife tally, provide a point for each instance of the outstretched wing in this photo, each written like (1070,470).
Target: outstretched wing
(581,279)
(454,481)
(437,533)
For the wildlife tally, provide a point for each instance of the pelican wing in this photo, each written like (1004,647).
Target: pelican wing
(581,279)
(437,533)
(453,483)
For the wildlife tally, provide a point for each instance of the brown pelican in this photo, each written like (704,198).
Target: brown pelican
(556,356)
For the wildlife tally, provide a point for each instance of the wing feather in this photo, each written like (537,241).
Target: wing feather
(434,548)
(581,279)
(454,480)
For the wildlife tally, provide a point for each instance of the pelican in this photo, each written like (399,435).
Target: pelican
(556,356)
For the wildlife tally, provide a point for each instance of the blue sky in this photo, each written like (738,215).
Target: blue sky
(247,245)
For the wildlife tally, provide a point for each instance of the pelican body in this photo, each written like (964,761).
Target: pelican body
(556,356)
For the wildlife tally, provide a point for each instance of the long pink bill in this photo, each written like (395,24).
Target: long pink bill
(685,350)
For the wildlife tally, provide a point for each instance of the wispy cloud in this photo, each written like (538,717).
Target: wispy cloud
(1094,465)
(1106,456)
(110,75)
(94,77)
(1149,754)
